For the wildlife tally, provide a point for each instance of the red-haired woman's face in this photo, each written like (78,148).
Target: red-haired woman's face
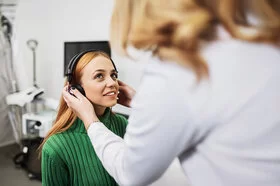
(99,80)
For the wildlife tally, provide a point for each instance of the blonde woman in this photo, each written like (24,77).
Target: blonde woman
(68,157)
(210,94)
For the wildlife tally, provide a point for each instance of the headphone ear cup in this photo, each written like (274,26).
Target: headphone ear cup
(79,88)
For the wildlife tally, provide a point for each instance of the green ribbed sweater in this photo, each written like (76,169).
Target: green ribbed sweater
(68,158)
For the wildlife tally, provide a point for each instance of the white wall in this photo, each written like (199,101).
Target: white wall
(51,23)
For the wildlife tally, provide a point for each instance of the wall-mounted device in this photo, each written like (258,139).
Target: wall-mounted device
(32,44)
(24,97)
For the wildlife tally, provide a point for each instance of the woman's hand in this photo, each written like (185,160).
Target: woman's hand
(126,94)
(80,105)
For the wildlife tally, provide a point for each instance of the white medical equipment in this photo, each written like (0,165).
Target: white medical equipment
(30,114)
(24,97)
(37,124)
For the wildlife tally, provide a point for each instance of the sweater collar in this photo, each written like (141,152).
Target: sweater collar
(78,125)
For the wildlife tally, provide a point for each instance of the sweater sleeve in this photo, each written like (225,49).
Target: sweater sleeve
(161,126)
(54,172)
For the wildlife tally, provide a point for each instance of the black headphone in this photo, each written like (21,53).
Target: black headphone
(71,68)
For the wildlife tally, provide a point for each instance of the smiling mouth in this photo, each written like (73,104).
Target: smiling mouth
(110,94)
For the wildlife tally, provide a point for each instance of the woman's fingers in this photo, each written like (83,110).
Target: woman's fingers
(70,96)
(121,83)
(76,93)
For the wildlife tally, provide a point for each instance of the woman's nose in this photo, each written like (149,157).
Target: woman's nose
(110,82)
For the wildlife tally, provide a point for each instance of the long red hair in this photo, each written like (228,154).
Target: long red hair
(65,116)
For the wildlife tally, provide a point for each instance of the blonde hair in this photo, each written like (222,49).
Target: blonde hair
(65,116)
(174,29)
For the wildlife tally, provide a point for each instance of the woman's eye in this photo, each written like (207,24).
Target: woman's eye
(99,76)
(114,76)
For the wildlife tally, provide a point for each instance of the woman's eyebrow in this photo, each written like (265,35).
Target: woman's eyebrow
(102,70)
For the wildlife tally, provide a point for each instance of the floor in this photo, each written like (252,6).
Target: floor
(10,175)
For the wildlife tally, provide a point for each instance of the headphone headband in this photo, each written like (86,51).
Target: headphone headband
(74,60)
